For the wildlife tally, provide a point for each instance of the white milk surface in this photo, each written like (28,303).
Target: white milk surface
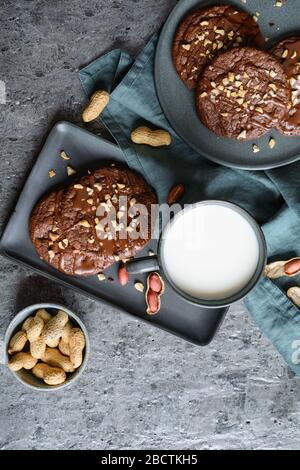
(210,251)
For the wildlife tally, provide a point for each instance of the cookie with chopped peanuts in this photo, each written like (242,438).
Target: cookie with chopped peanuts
(87,226)
(206,33)
(242,94)
(288,53)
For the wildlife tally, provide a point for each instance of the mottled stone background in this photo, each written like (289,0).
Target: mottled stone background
(143,388)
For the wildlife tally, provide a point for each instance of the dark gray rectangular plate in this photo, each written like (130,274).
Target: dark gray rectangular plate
(86,150)
(178,102)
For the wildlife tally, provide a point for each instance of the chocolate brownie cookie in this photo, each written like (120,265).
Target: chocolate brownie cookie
(205,33)
(243,93)
(288,53)
(87,226)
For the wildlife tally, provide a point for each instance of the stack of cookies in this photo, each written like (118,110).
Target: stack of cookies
(241,91)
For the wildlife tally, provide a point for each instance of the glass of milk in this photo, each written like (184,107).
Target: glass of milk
(212,253)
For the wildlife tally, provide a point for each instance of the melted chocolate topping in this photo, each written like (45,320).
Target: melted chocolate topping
(87,226)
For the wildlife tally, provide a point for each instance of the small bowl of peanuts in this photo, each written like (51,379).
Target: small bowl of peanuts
(46,346)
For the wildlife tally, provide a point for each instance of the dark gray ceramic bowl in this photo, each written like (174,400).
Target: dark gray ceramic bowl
(25,376)
(178,102)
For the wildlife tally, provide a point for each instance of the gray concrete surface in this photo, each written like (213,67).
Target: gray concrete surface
(142,388)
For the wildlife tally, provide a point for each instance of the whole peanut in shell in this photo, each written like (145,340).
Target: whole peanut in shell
(50,375)
(39,370)
(37,348)
(53,329)
(64,347)
(22,360)
(294,294)
(17,342)
(56,376)
(34,328)
(26,323)
(54,358)
(66,332)
(64,341)
(99,100)
(145,135)
(44,315)
(76,344)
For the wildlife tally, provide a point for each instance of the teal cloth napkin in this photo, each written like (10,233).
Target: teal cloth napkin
(272,197)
